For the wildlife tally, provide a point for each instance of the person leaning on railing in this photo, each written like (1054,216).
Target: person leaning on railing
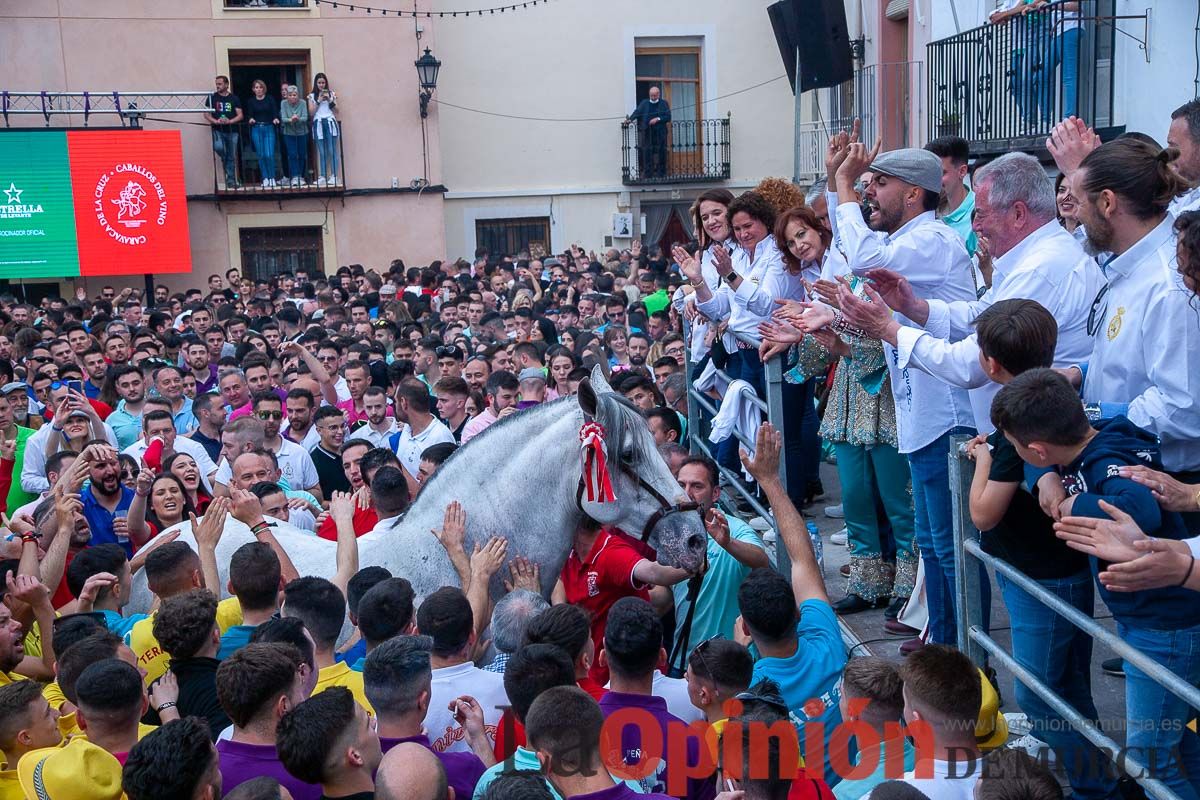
(293,111)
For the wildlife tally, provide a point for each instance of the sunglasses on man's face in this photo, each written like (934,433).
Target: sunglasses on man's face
(265,415)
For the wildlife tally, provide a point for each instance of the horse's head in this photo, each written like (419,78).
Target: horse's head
(648,502)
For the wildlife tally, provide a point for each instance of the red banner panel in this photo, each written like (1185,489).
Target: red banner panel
(130,204)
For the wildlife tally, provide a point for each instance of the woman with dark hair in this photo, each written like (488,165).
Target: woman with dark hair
(616,343)
(754,276)
(1067,208)
(253,342)
(560,362)
(543,331)
(158,503)
(321,104)
(860,422)
(568,338)
(184,467)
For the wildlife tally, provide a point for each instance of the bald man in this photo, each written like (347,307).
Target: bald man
(411,772)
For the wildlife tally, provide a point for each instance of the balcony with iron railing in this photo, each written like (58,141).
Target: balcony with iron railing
(260,161)
(887,99)
(680,151)
(1003,86)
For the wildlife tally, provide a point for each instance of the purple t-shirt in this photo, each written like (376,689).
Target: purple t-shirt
(463,770)
(670,725)
(241,762)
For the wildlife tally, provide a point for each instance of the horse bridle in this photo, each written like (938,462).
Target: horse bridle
(665,507)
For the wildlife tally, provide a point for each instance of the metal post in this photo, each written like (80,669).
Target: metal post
(693,408)
(968,608)
(797,124)
(773,369)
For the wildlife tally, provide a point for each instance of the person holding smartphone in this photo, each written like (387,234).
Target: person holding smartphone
(322,101)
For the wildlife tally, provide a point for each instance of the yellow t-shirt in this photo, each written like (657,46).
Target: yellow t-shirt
(340,674)
(54,695)
(153,658)
(10,677)
(10,785)
(144,730)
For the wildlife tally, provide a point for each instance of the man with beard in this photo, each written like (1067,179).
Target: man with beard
(210,416)
(104,497)
(421,429)
(33,471)
(502,388)
(638,345)
(126,420)
(201,366)
(380,425)
(300,405)
(476,372)
(903,234)
(1147,343)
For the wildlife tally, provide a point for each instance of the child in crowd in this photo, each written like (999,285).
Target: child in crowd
(1041,415)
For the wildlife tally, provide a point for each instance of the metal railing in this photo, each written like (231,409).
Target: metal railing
(979,646)
(1003,86)
(130,107)
(683,151)
(263,4)
(251,170)
(888,99)
(772,407)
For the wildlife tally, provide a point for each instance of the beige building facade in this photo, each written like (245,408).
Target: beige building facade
(388,202)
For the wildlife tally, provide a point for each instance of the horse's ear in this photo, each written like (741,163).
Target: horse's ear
(599,382)
(588,401)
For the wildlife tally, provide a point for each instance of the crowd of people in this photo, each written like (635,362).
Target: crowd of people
(1057,325)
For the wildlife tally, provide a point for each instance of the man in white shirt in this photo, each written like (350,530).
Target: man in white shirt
(380,425)
(421,429)
(903,235)
(1146,361)
(446,616)
(1035,259)
(301,406)
(1184,136)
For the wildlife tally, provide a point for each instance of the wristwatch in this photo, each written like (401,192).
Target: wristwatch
(731,277)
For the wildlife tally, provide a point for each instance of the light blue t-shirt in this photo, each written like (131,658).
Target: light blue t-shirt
(716,606)
(121,625)
(522,759)
(234,639)
(810,680)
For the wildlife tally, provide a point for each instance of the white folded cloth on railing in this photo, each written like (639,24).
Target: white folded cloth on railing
(739,412)
(711,379)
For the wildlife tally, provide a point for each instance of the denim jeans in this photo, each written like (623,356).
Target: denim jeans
(1060,655)
(263,136)
(934,530)
(225,145)
(327,158)
(1064,53)
(297,154)
(801,445)
(1157,719)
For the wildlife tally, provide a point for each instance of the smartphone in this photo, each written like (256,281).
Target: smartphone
(75,386)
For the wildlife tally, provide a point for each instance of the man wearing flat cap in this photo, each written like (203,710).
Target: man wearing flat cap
(902,233)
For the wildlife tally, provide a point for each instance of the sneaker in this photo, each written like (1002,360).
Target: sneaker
(266,183)
(321,182)
(841,537)
(1113,666)
(835,512)
(844,570)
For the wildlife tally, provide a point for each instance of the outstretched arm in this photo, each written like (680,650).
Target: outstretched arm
(807,581)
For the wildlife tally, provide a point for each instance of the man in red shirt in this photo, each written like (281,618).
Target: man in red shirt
(361,465)
(605,565)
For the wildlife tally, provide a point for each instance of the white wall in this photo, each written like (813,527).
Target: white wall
(576,60)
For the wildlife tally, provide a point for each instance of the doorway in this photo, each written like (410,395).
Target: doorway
(275,68)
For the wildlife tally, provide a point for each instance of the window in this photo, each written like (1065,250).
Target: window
(507,237)
(676,72)
(266,3)
(266,252)
(275,68)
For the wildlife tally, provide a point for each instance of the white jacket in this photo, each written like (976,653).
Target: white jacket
(739,412)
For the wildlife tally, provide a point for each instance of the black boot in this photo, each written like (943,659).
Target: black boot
(852,604)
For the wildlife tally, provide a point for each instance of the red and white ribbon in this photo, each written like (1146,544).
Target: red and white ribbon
(597,484)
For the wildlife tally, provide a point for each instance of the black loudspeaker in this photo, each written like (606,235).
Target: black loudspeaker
(818,28)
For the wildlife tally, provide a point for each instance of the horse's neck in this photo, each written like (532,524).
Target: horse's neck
(519,474)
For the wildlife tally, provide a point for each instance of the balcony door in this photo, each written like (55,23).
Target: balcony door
(275,68)
(676,72)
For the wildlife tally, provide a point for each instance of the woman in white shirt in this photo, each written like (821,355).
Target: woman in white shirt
(753,276)
(321,103)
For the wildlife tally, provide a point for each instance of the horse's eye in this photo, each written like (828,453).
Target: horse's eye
(627,454)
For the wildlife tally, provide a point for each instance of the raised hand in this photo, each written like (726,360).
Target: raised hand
(722,261)
(207,531)
(454,527)
(28,589)
(1107,539)
(341,507)
(689,265)
(1070,142)
(856,162)
(823,290)
(717,526)
(894,289)
(764,466)
(815,318)
(468,714)
(873,317)
(487,560)
(245,507)
(524,575)
(780,333)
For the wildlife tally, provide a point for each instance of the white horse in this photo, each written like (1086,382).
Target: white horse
(520,479)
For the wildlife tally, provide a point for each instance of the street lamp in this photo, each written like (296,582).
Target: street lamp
(427,73)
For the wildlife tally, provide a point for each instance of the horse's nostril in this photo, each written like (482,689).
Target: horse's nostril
(695,542)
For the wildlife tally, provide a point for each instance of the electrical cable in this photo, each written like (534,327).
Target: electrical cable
(591,119)
(383,12)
